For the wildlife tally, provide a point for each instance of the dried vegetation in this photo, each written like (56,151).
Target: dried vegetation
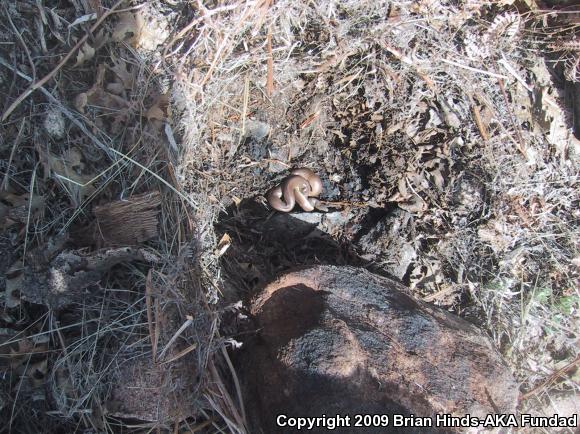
(134,136)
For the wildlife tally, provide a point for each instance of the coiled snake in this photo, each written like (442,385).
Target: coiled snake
(297,188)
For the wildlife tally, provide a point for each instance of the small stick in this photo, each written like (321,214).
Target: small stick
(11,157)
(32,181)
(503,62)
(270,79)
(65,59)
(478,121)
(150,320)
(469,68)
(19,36)
(553,377)
(520,142)
(408,61)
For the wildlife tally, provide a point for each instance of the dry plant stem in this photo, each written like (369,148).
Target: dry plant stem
(238,425)
(478,121)
(22,378)
(178,333)
(224,44)
(32,181)
(24,46)
(345,204)
(236,383)
(12,151)
(205,13)
(409,62)
(469,68)
(159,178)
(270,79)
(47,77)
(559,373)
(150,320)
(180,354)
(67,360)
(520,141)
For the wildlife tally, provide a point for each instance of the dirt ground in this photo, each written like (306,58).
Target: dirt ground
(138,140)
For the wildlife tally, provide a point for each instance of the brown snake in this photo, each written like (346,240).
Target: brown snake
(298,188)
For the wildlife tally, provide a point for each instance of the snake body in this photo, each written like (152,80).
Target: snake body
(298,188)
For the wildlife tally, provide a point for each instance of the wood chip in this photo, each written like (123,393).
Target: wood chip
(128,222)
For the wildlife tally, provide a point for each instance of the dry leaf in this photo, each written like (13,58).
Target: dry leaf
(68,169)
(237,201)
(414,205)
(81,101)
(86,53)
(12,292)
(127,29)
(438,179)
(115,88)
(223,245)
(158,109)
(16,208)
(155,112)
(121,70)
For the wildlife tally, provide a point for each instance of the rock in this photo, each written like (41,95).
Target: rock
(58,278)
(387,245)
(54,123)
(340,340)
(256,129)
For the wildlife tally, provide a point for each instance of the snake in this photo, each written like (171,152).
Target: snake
(297,188)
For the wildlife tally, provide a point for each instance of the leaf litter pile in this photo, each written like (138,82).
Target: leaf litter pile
(138,141)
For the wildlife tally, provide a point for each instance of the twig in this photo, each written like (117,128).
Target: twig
(159,178)
(520,142)
(503,62)
(478,121)
(150,320)
(551,378)
(236,383)
(11,157)
(19,36)
(469,68)
(270,78)
(408,61)
(32,181)
(47,77)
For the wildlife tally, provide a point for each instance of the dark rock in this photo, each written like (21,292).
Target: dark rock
(387,245)
(340,340)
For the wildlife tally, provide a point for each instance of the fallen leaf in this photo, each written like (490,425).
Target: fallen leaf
(16,208)
(86,53)
(69,170)
(414,205)
(158,110)
(223,245)
(121,71)
(127,29)
(81,101)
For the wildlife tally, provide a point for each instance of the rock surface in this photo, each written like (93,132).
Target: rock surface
(340,340)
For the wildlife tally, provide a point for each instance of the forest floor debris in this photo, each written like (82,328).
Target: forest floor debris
(443,133)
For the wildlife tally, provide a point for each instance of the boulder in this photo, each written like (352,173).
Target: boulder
(341,340)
